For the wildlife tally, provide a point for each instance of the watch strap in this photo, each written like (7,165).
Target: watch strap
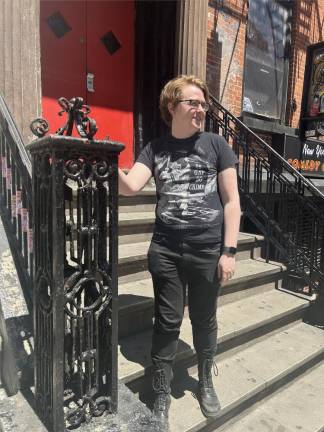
(229,249)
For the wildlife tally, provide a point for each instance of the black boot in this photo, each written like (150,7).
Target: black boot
(207,397)
(161,385)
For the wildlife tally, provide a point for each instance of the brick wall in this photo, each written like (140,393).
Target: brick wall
(307,28)
(225,51)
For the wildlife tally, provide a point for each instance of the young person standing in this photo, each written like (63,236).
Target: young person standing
(195,236)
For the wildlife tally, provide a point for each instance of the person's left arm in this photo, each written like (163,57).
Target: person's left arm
(227,182)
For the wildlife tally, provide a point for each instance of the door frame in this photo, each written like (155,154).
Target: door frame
(154,19)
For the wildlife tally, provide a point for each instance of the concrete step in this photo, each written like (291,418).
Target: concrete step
(133,257)
(239,322)
(136,297)
(248,376)
(132,226)
(145,201)
(133,254)
(140,218)
(295,408)
(135,227)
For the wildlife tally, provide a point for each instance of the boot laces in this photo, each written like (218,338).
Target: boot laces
(208,365)
(161,401)
(160,382)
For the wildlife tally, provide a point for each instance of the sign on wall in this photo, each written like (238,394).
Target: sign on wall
(305,156)
(311,160)
(312,110)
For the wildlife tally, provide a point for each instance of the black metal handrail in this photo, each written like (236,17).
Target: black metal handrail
(282,204)
(16,198)
(74,289)
(76,259)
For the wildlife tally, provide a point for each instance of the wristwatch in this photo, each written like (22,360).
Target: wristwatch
(230,250)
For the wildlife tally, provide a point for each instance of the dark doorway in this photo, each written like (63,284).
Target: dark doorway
(154,65)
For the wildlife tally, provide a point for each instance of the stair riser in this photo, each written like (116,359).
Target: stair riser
(134,320)
(130,235)
(136,264)
(140,202)
(138,318)
(249,287)
(132,232)
(137,203)
(186,362)
(144,233)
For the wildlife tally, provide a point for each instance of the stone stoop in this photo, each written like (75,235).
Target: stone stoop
(298,406)
(263,342)
(249,375)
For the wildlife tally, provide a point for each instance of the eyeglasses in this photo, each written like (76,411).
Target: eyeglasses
(194,103)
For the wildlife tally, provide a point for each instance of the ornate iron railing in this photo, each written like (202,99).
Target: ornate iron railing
(282,204)
(74,284)
(75,296)
(16,198)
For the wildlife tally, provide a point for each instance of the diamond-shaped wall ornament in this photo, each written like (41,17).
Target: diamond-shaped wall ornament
(58,24)
(111,43)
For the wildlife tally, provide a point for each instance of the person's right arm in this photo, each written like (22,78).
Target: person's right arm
(137,177)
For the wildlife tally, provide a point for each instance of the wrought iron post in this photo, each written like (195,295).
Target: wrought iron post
(75,283)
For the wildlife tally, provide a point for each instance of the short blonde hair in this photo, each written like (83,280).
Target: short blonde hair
(172,93)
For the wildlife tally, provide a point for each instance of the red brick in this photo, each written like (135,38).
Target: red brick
(230,21)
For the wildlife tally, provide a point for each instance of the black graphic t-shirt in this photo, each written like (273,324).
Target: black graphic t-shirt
(185,172)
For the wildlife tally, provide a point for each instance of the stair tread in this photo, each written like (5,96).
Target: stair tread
(142,290)
(284,411)
(136,217)
(246,373)
(147,190)
(130,251)
(135,349)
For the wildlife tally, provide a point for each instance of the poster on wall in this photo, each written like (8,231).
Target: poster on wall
(310,161)
(305,156)
(312,110)
(316,88)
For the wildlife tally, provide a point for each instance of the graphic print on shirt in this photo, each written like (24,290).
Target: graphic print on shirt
(188,187)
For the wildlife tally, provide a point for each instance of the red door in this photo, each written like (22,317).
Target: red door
(63,55)
(111,64)
(91,39)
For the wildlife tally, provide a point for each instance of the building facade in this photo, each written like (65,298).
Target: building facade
(118,54)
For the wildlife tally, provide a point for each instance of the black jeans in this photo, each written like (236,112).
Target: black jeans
(175,267)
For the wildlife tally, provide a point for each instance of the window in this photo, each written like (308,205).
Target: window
(265,73)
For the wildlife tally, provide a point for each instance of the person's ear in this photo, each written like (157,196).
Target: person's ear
(171,108)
